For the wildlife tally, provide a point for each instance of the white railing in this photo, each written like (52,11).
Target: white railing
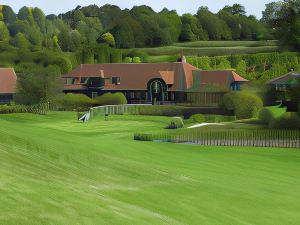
(132,109)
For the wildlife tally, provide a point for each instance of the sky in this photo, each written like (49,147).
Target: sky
(253,7)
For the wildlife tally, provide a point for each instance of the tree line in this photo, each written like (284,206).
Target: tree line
(140,26)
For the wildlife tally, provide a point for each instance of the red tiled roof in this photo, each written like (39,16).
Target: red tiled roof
(8,81)
(238,78)
(179,75)
(136,76)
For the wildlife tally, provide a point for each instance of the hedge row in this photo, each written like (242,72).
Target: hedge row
(81,102)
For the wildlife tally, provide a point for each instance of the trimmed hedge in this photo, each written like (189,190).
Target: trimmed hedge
(162,110)
(244,105)
(78,102)
(110,99)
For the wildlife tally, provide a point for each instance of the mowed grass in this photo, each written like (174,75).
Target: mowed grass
(55,170)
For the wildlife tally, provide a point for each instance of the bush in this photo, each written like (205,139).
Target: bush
(161,110)
(200,118)
(143,137)
(78,102)
(175,123)
(111,99)
(268,113)
(288,120)
(7,109)
(243,104)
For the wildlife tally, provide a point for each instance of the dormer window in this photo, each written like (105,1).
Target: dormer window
(116,80)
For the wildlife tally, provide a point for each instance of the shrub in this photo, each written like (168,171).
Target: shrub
(161,110)
(288,120)
(111,99)
(78,102)
(243,104)
(268,113)
(175,123)
(7,109)
(143,137)
(200,118)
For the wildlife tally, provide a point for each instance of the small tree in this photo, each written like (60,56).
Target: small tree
(107,38)
(20,41)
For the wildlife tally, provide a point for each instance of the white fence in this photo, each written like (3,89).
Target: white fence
(132,109)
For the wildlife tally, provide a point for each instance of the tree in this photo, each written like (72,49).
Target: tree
(173,21)
(241,67)
(9,15)
(123,35)
(4,33)
(20,41)
(235,9)
(191,29)
(186,33)
(284,18)
(25,13)
(216,28)
(40,19)
(107,38)
(39,85)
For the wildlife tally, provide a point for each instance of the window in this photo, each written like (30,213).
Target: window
(116,80)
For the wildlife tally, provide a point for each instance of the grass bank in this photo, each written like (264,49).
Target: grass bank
(55,170)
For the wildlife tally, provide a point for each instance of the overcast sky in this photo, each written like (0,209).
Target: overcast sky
(254,7)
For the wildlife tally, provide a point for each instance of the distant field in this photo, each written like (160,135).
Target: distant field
(55,170)
(208,48)
(226,44)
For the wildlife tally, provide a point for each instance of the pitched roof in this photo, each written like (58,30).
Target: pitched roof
(179,75)
(136,76)
(8,80)
(285,78)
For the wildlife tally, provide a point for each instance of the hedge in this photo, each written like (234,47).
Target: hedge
(243,104)
(110,99)
(266,114)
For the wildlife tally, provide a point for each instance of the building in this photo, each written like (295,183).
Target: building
(8,80)
(148,82)
(281,87)
(285,82)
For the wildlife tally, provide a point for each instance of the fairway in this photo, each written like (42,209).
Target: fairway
(55,170)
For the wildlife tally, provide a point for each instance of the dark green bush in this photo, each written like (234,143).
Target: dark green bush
(175,123)
(266,114)
(289,120)
(110,99)
(243,104)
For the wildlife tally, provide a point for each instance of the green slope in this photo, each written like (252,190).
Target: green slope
(54,170)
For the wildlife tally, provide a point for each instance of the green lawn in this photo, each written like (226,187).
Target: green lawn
(55,170)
